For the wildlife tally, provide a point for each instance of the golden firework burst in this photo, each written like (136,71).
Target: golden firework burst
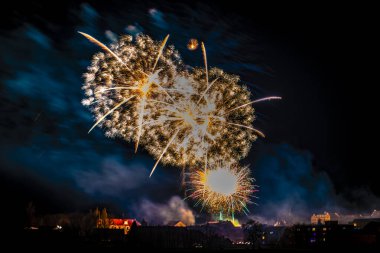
(224,187)
(192,44)
(121,83)
(139,90)
(205,122)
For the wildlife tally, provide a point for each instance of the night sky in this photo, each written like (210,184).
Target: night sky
(320,147)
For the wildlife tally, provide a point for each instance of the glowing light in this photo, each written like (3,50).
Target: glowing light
(235,222)
(222,181)
(223,188)
(192,44)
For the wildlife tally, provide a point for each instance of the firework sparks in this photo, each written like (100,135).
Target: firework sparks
(139,91)
(120,83)
(205,122)
(222,188)
(193,44)
(205,61)
(209,122)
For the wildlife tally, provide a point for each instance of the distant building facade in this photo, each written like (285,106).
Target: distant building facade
(114,223)
(221,228)
(124,224)
(361,223)
(320,218)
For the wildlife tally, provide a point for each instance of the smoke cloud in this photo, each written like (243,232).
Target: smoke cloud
(44,126)
(113,179)
(161,214)
(292,189)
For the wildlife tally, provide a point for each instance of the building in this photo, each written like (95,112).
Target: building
(224,229)
(361,223)
(320,218)
(103,222)
(272,235)
(177,224)
(317,235)
(124,224)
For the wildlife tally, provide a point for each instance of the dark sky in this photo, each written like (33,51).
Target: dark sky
(321,138)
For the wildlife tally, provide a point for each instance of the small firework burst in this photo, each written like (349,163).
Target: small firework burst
(192,44)
(223,187)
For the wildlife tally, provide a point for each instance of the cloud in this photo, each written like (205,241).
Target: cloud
(156,213)
(134,29)
(113,179)
(44,126)
(158,18)
(292,189)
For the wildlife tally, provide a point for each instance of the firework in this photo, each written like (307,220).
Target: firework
(204,123)
(121,84)
(192,44)
(223,188)
(140,91)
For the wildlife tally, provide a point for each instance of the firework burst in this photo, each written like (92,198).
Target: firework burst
(121,84)
(222,188)
(139,90)
(206,121)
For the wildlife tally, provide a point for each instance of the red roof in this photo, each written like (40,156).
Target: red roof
(128,222)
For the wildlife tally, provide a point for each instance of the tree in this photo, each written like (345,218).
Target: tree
(87,223)
(104,222)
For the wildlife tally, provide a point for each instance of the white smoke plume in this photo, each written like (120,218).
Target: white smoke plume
(161,214)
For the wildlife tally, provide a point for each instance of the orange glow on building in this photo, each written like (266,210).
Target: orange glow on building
(180,224)
(124,224)
(320,218)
